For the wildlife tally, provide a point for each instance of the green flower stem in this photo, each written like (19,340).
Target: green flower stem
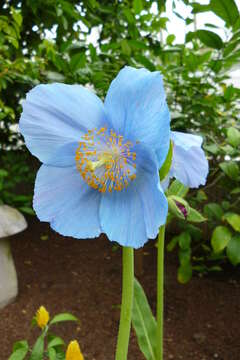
(127,303)
(160,289)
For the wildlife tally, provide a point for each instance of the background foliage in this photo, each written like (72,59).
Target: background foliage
(48,41)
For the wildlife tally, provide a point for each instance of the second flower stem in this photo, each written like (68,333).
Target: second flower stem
(160,289)
(127,303)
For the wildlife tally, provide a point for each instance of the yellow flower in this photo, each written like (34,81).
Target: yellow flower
(74,352)
(42,317)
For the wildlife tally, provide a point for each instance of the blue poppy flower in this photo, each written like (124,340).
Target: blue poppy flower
(100,161)
(189,163)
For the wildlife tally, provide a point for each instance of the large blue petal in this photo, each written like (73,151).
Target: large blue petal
(136,107)
(121,217)
(186,141)
(56,114)
(189,164)
(64,156)
(154,202)
(133,215)
(62,198)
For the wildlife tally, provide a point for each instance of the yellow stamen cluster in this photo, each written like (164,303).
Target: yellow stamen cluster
(74,352)
(105,160)
(42,317)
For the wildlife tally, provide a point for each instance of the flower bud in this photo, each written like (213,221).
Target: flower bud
(42,317)
(178,206)
(74,352)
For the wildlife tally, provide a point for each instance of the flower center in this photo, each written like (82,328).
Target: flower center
(105,160)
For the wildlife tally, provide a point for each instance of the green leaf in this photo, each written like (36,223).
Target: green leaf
(129,16)
(212,148)
(93,3)
(17,16)
(215,268)
(209,39)
(143,60)
(225,9)
(23,344)
(228,149)
(184,240)
(126,49)
(137,44)
(3,173)
(56,341)
(213,210)
(201,196)
(230,47)
(20,350)
(194,231)
(178,189)
(38,349)
(18,354)
(63,317)
(225,205)
(52,354)
(229,92)
(161,5)
(236,190)
(233,250)
(233,136)
(27,210)
(195,216)
(198,8)
(78,61)
(184,256)
(137,6)
(184,273)
(220,238)
(172,243)
(167,163)
(234,220)
(144,323)
(230,168)
(64,22)
(170,39)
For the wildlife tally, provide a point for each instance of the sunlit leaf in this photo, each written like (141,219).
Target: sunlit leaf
(144,323)
(210,39)
(231,169)
(233,250)
(38,349)
(195,216)
(233,136)
(20,350)
(178,189)
(225,9)
(63,317)
(220,238)
(234,220)
(167,163)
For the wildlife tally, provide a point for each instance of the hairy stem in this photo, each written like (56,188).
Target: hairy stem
(127,303)
(160,289)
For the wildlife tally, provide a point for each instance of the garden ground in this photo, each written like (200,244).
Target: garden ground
(84,278)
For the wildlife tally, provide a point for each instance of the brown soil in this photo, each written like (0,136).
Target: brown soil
(84,277)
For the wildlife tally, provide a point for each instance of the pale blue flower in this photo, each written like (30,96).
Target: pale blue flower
(189,163)
(100,161)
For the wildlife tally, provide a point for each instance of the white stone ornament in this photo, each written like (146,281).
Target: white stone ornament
(11,223)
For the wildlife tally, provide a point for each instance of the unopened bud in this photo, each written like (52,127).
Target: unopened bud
(178,206)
